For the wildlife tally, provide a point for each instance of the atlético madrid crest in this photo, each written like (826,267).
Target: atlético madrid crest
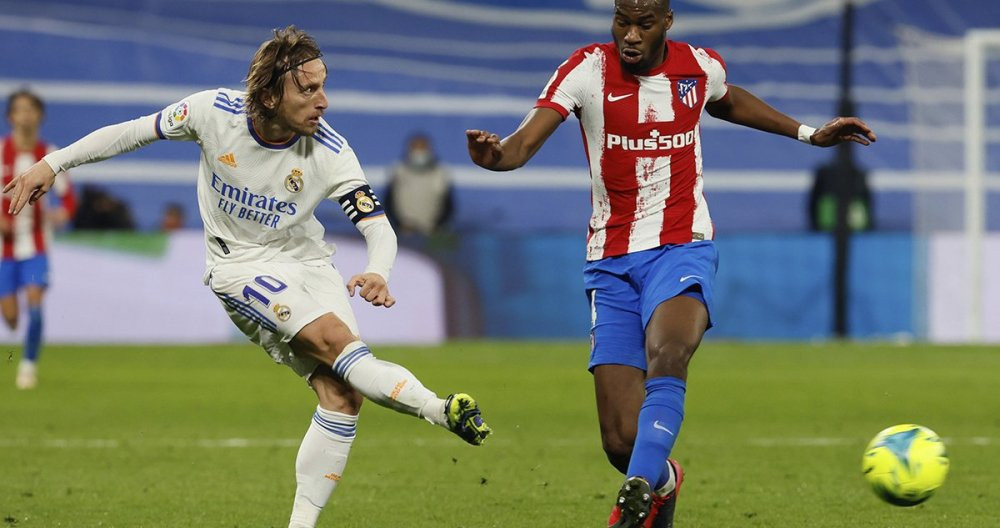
(687,92)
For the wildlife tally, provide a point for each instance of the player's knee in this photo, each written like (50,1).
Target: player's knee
(324,339)
(335,395)
(669,357)
(331,342)
(11,320)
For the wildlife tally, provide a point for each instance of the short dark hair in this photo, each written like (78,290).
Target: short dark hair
(29,95)
(662,4)
(288,49)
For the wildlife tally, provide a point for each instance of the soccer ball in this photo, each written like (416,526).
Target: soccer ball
(905,464)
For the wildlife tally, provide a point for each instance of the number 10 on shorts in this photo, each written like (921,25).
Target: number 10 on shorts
(267,282)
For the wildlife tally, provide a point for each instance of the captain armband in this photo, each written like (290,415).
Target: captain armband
(361,203)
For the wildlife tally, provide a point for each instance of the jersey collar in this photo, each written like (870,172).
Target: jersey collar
(265,143)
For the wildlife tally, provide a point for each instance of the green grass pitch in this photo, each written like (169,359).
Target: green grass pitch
(207,436)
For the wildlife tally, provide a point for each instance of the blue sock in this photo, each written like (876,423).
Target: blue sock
(659,422)
(33,341)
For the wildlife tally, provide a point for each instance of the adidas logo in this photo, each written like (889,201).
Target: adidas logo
(228,159)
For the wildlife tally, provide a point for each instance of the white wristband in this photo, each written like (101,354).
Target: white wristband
(805,134)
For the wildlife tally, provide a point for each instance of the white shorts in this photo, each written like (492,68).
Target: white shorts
(271,301)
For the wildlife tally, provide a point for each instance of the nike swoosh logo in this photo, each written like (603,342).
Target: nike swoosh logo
(613,98)
(656,425)
(686,277)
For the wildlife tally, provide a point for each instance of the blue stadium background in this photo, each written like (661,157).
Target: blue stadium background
(443,66)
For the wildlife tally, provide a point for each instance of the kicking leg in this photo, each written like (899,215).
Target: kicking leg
(620,395)
(323,454)
(618,361)
(672,335)
(387,384)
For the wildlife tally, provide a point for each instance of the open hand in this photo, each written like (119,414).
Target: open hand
(29,186)
(843,129)
(484,148)
(373,289)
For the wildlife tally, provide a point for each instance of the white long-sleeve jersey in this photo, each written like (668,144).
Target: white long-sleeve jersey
(256,198)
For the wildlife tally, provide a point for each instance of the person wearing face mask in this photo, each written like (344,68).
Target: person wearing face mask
(419,200)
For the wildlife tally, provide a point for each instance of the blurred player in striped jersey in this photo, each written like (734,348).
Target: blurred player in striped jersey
(651,261)
(268,158)
(26,237)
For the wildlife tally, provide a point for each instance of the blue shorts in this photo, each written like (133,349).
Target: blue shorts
(623,292)
(16,274)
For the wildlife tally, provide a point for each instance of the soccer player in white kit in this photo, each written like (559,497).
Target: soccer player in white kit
(267,160)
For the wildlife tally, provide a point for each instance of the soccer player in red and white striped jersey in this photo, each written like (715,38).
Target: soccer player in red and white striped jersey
(651,261)
(24,239)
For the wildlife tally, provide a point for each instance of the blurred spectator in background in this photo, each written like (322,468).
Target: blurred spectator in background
(100,210)
(173,217)
(26,237)
(419,200)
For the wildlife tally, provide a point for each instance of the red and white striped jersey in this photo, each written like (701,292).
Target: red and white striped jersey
(643,142)
(29,233)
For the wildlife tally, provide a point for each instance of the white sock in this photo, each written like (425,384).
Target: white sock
(320,464)
(388,384)
(671,483)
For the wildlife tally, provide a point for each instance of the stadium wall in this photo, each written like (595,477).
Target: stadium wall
(146,288)
(769,286)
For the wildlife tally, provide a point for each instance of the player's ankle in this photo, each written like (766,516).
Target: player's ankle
(434,412)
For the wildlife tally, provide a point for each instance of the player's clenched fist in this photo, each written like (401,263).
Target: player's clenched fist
(373,289)
(30,186)
(484,148)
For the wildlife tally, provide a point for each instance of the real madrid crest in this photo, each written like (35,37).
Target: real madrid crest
(293,182)
(283,312)
(365,203)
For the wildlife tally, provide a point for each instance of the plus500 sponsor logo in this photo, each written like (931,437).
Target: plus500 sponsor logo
(655,141)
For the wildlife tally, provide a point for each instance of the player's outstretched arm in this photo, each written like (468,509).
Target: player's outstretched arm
(843,129)
(490,152)
(744,108)
(99,145)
